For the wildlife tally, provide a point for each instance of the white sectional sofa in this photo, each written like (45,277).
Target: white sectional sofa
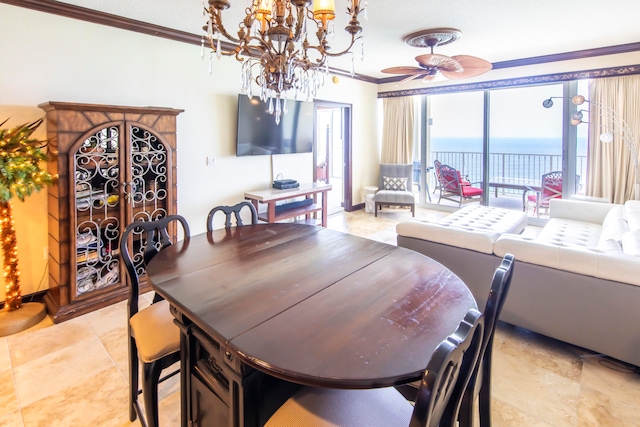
(578,280)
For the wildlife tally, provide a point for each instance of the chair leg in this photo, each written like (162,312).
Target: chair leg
(376,209)
(466,413)
(484,397)
(133,379)
(150,378)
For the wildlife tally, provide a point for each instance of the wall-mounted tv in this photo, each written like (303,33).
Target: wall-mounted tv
(258,134)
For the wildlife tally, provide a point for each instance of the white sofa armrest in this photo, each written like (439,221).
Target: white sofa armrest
(579,210)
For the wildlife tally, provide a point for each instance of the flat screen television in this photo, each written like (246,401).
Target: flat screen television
(258,134)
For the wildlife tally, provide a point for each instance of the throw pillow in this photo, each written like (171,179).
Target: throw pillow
(394,183)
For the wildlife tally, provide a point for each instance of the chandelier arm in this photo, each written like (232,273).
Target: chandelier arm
(301,11)
(235,52)
(219,27)
(335,54)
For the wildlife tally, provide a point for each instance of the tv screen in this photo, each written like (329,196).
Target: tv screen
(258,134)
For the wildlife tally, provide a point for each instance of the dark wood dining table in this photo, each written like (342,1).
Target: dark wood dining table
(297,304)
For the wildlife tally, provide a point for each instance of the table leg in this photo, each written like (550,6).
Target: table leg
(324,208)
(271,212)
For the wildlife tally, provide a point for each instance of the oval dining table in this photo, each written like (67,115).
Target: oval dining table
(264,305)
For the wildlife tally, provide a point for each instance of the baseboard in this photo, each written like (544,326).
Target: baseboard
(34,297)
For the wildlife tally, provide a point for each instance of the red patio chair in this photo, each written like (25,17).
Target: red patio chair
(453,187)
(550,188)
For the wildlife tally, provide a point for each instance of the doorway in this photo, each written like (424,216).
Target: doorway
(332,153)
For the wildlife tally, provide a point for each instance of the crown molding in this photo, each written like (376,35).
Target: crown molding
(515,82)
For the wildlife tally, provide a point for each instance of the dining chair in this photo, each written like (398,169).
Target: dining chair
(438,400)
(455,188)
(154,340)
(480,381)
(236,211)
(396,187)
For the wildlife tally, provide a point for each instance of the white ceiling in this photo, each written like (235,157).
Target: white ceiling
(496,30)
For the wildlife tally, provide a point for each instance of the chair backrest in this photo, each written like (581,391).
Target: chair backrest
(448,372)
(551,186)
(396,171)
(139,243)
(497,296)
(234,210)
(500,285)
(449,178)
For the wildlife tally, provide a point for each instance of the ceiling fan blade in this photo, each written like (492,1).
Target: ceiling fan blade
(441,62)
(403,70)
(472,66)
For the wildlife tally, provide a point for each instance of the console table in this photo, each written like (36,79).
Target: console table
(266,307)
(280,211)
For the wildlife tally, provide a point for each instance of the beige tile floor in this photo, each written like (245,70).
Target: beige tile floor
(75,374)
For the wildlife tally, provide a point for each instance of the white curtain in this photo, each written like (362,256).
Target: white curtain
(610,165)
(397,130)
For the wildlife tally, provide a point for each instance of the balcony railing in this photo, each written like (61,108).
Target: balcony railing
(507,165)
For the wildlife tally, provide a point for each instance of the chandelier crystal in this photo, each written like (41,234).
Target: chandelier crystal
(273,45)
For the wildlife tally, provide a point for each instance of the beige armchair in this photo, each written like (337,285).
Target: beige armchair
(395,187)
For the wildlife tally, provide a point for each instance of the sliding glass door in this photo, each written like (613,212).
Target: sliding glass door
(454,137)
(525,144)
(503,141)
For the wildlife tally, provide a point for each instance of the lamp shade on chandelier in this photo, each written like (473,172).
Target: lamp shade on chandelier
(273,45)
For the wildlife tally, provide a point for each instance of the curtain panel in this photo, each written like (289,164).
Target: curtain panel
(614,102)
(397,130)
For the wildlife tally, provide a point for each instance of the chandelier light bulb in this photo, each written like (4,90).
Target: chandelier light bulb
(606,137)
(578,100)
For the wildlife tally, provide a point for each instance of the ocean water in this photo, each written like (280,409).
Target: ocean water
(552,146)
(463,154)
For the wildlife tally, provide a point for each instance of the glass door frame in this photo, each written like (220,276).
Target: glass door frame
(569,142)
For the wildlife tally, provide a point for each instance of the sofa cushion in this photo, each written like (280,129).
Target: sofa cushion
(567,232)
(391,197)
(473,227)
(616,266)
(632,213)
(477,217)
(631,243)
(579,210)
(609,245)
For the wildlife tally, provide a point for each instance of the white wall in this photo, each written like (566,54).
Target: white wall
(51,58)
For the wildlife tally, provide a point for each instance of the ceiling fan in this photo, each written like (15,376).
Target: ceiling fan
(431,66)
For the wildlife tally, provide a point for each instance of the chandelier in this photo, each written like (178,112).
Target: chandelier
(273,45)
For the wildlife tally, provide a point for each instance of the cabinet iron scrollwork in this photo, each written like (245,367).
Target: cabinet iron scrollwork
(116,165)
